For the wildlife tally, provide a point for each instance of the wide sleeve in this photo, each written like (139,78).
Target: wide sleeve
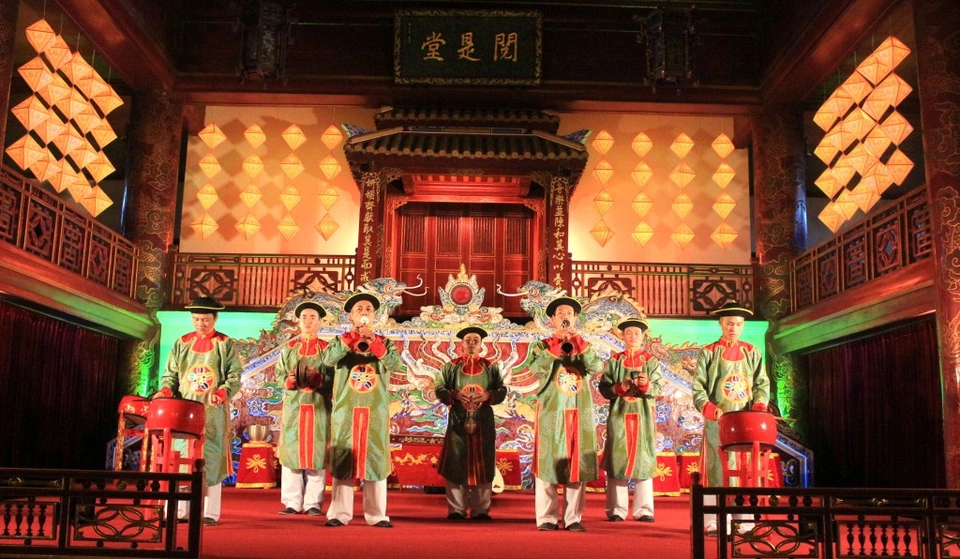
(701,394)
(232,369)
(444,385)
(498,390)
(336,351)
(609,380)
(592,364)
(542,364)
(390,361)
(284,365)
(654,378)
(761,381)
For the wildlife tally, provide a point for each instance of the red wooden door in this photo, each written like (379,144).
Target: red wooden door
(493,241)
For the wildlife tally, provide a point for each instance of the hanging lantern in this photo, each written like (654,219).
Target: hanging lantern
(330,167)
(845,205)
(69,141)
(205,226)
(603,201)
(723,175)
(72,104)
(856,86)
(331,137)
(601,233)
(896,128)
(78,187)
(77,68)
(603,171)
(35,73)
(642,233)
(93,86)
(724,205)
(250,195)
(248,226)
(899,166)
(294,136)
(328,197)
(865,196)
(891,52)
(57,52)
(30,112)
(46,168)
(103,133)
(831,217)
(826,151)
(828,184)
(207,196)
(209,165)
(212,135)
(107,101)
(55,91)
(860,158)
(723,146)
(724,235)
(100,168)
(878,177)
(40,34)
(873,69)
(641,174)
(876,142)
(857,124)
(641,204)
(83,156)
(252,166)
(682,206)
(255,136)
(843,171)
(641,144)
(51,128)
(327,227)
(682,175)
(25,152)
(95,201)
(61,178)
(290,197)
(682,145)
(682,236)
(87,119)
(603,142)
(291,166)
(288,227)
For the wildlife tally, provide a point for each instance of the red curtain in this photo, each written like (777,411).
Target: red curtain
(876,418)
(57,392)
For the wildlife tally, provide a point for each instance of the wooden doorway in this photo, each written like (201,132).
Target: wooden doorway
(493,241)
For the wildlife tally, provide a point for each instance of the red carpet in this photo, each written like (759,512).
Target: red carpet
(251,528)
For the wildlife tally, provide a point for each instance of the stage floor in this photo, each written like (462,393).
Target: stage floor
(251,528)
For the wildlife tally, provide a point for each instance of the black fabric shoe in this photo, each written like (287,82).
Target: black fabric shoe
(547,526)
(314,511)
(333,522)
(456,516)
(289,510)
(483,516)
(383,524)
(646,518)
(209,521)
(615,518)
(576,527)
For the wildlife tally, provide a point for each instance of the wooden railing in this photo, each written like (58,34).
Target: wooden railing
(251,281)
(826,522)
(34,220)
(885,241)
(57,513)
(668,290)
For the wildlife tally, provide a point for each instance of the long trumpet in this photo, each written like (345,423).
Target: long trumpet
(566,346)
(363,346)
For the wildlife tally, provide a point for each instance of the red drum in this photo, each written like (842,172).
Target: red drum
(133,410)
(739,430)
(184,418)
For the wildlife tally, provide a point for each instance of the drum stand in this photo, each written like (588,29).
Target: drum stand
(131,424)
(753,465)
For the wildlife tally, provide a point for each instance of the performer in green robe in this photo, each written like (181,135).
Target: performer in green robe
(360,422)
(565,441)
(730,377)
(204,367)
(305,425)
(631,381)
(470,385)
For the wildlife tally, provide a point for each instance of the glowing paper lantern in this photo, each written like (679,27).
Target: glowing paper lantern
(290,197)
(858,123)
(254,135)
(57,52)
(25,152)
(896,128)
(873,69)
(603,171)
(294,136)
(682,206)
(876,142)
(831,217)
(826,151)
(899,166)
(72,104)
(845,205)
(51,128)
(891,52)
(100,168)
(108,101)
(252,166)
(47,168)
(95,201)
(36,74)
(724,205)
(207,196)
(87,119)
(69,141)
(291,166)
(30,112)
(603,142)
(83,156)
(877,177)
(288,227)
(641,204)
(604,201)
(681,145)
(77,69)
(328,197)
(682,175)
(724,235)
(93,86)
(78,187)
(212,135)
(856,86)
(39,35)
(682,236)
(209,165)
(860,158)
(250,195)
(248,226)
(327,227)
(330,166)
(865,196)
(641,144)
(103,133)
(828,184)
(642,233)
(641,174)
(55,91)
(205,226)
(843,171)
(331,137)
(723,175)
(61,178)
(723,146)
(601,233)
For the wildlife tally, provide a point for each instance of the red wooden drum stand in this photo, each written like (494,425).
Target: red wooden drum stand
(749,437)
(133,415)
(169,419)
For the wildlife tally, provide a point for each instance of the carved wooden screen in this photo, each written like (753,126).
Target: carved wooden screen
(493,241)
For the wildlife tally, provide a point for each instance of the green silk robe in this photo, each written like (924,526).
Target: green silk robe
(360,422)
(631,447)
(732,377)
(197,367)
(305,424)
(565,441)
(469,459)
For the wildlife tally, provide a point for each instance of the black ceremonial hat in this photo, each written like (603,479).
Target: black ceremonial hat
(472,330)
(733,308)
(638,322)
(357,297)
(309,305)
(203,305)
(559,301)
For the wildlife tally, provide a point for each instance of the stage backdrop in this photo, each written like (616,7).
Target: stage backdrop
(427,342)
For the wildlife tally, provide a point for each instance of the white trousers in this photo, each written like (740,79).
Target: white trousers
(299,496)
(618,494)
(374,501)
(547,502)
(211,503)
(476,498)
